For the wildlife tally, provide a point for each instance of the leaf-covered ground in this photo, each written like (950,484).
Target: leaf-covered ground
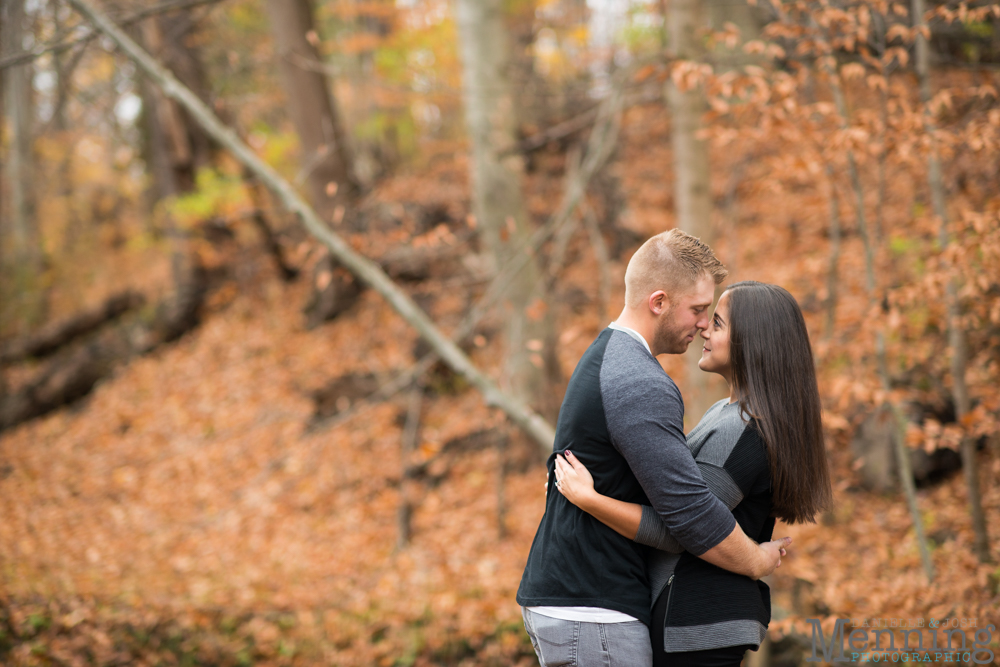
(185,513)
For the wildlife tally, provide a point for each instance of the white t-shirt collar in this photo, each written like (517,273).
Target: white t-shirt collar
(633,333)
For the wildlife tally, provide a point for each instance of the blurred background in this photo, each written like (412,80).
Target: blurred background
(218,446)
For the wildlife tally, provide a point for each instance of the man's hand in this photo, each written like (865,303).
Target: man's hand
(738,553)
(773,552)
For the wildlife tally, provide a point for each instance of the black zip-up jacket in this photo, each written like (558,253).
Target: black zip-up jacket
(709,607)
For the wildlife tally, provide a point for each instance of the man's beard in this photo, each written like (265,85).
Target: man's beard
(670,337)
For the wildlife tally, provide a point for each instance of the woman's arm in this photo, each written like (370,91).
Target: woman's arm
(574,481)
(636,522)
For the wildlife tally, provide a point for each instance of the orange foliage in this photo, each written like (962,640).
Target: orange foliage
(185,511)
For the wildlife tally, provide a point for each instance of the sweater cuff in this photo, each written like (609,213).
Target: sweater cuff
(653,533)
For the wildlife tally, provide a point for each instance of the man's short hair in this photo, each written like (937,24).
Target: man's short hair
(672,261)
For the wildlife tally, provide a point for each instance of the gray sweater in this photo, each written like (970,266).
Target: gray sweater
(710,442)
(711,607)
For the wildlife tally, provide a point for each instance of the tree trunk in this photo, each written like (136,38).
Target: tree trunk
(833,276)
(692,182)
(503,465)
(491,115)
(409,441)
(528,89)
(956,336)
(268,236)
(369,150)
(64,66)
(899,419)
(600,248)
(25,256)
(19,160)
(327,166)
(178,148)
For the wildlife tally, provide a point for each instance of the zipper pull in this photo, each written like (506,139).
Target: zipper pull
(670,580)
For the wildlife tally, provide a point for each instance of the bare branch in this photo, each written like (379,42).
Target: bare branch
(62,42)
(363,268)
(600,147)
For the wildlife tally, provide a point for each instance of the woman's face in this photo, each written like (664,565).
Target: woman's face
(715,354)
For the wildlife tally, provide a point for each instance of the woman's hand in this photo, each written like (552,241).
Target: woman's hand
(574,481)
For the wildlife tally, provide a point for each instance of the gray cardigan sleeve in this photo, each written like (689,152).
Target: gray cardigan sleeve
(654,533)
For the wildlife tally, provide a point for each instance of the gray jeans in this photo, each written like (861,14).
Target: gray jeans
(577,644)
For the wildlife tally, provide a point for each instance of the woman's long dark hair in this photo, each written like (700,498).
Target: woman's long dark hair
(774,377)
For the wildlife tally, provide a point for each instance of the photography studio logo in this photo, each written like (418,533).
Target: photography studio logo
(875,640)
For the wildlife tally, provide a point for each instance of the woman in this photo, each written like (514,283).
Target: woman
(760,451)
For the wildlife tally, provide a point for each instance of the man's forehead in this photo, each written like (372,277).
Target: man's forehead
(701,294)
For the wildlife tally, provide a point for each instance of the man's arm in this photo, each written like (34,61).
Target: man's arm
(645,416)
(738,553)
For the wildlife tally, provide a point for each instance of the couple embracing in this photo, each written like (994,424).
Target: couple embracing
(652,545)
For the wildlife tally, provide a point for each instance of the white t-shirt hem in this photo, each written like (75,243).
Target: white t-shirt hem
(584,614)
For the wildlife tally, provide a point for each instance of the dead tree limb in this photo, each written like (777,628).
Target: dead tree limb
(555,133)
(57,334)
(73,372)
(63,381)
(363,268)
(577,123)
(600,146)
(63,42)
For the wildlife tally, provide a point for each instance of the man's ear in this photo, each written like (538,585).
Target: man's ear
(658,302)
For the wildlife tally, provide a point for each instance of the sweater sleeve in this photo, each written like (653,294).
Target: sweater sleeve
(654,533)
(645,413)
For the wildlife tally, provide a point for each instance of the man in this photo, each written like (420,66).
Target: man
(585,592)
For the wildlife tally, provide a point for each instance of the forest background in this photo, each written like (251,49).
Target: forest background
(228,438)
